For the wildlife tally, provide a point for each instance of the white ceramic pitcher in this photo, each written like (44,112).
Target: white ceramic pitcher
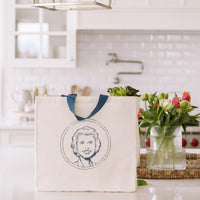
(21,98)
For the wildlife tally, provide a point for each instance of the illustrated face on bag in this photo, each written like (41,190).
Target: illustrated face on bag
(85,144)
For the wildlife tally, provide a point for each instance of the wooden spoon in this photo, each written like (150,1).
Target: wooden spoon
(74,89)
(86,91)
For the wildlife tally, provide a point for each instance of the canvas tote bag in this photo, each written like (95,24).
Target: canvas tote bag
(86,143)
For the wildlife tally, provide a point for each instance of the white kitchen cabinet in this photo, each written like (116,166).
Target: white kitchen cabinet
(38,37)
(143,15)
(16,138)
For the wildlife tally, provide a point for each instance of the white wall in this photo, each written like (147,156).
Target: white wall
(171,63)
(1,52)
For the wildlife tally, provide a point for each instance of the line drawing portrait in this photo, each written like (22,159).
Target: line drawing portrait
(85,145)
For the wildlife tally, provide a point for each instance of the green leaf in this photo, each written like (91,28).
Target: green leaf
(144,124)
(152,97)
(131,91)
(117,91)
(167,120)
(140,131)
(184,127)
(194,107)
(141,182)
(120,91)
(148,130)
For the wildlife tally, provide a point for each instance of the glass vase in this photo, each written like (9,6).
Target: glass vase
(165,152)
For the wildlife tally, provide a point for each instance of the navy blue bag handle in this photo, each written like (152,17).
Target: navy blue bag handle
(71,101)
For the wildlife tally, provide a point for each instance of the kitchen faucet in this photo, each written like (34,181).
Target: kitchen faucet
(114,58)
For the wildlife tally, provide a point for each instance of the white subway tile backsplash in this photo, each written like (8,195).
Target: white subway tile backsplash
(174,37)
(165,62)
(195,38)
(159,54)
(135,45)
(149,46)
(159,37)
(181,46)
(186,54)
(195,46)
(173,54)
(186,38)
(171,63)
(167,46)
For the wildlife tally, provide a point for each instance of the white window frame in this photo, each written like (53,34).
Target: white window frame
(11,61)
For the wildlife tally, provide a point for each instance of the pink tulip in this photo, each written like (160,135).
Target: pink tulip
(176,101)
(139,113)
(186,96)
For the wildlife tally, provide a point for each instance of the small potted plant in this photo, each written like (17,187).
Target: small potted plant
(165,119)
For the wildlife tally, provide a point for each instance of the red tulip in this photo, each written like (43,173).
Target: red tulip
(139,113)
(176,101)
(148,142)
(156,106)
(186,96)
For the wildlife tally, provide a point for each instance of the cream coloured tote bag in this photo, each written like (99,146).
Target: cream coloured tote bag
(95,149)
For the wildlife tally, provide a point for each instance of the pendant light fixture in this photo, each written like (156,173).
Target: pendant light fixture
(61,5)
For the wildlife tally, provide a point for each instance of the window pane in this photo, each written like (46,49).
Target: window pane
(29,17)
(27,46)
(55,20)
(24,2)
(54,46)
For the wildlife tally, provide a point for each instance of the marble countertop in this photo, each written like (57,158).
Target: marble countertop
(17,183)
(21,187)
(155,190)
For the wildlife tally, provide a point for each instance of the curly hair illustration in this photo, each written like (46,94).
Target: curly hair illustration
(85,145)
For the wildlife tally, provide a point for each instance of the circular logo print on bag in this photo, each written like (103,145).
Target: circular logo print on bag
(85,144)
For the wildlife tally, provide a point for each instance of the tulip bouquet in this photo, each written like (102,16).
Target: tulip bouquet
(161,111)
(164,116)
